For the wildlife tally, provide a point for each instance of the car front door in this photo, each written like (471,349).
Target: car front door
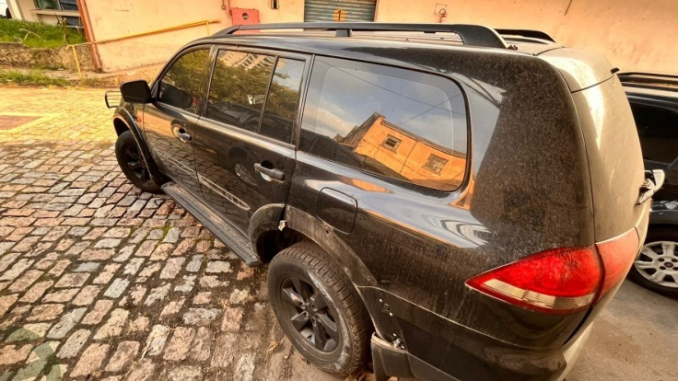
(243,144)
(170,119)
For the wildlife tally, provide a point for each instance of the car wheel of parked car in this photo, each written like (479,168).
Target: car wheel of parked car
(656,267)
(318,309)
(133,164)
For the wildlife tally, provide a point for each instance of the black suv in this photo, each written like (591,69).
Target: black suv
(654,103)
(461,203)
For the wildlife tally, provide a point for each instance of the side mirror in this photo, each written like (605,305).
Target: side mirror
(136,92)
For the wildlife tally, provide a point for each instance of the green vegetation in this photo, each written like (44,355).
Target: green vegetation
(38,78)
(38,35)
(33,78)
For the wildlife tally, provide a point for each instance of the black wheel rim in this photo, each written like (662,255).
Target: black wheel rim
(309,314)
(136,163)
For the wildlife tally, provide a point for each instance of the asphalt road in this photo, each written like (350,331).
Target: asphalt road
(634,339)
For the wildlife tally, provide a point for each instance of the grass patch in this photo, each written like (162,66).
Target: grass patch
(37,34)
(38,78)
(33,78)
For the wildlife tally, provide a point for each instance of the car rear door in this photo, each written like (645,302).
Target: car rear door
(243,143)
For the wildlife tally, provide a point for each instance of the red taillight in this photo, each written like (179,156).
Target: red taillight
(617,255)
(554,281)
(562,280)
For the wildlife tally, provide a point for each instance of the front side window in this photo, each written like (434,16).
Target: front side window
(399,124)
(181,86)
(238,89)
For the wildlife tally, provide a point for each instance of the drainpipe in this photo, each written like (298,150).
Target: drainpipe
(89,34)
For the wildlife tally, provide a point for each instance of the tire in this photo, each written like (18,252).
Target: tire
(658,256)
(133,164)
(304,271)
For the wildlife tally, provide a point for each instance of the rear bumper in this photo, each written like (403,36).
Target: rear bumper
(510,363)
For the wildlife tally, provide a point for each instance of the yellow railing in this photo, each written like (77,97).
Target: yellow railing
(150,33)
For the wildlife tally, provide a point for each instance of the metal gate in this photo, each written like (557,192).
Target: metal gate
(339,10)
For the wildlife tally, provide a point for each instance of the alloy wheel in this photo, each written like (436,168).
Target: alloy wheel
(658,263)
(309,314)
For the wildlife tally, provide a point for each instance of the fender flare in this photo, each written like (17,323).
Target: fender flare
(124,116)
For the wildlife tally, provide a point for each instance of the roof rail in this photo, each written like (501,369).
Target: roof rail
(649,80)
(476,35)
(528,33)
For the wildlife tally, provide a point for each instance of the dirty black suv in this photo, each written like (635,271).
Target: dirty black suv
(458,202)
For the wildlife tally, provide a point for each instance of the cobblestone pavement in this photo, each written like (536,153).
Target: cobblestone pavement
(100,281)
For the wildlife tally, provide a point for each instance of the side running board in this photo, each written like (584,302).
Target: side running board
(221,228)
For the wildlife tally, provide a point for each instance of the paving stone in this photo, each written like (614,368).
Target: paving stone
(172,268)
(59,268)
(202,298)
(44,312)
(162,251)
(61,296)
(7,260)
(143,371)
(139,324)
(202,344)
(35,292)
(150,269)
(157,339)
(244,368)
(96,255)
(172,235)
(87,267)
(157,294)
(100,309)
(38,359)
(86,295)
(187,284)
(106,274)
(29,332)
(146,248)
(218,267)
(66,323)
(245,272)
(232,319)
(185,373)
(19,267)
(239,296)
(133,266)
(74,343)
(123,356)
(116,289)
(72,280)
(200,316)
(224,350)
(26,280)
(180,344)
(137,294)
(91,360)
(12,354)
(172,308)
(114,325)
(124,253)
(107,243)
(195,263)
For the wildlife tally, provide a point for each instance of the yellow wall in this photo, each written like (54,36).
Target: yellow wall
(633,35)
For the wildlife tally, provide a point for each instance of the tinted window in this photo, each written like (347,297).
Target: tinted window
(282,101)
(658,132)
(400,124)
(238,88)
(180,86)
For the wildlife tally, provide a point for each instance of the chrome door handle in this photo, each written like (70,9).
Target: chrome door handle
(270,173)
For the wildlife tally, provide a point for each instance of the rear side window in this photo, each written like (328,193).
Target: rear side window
(238,89)
(658,132)
(399,124)
(282,100)
(181,85)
